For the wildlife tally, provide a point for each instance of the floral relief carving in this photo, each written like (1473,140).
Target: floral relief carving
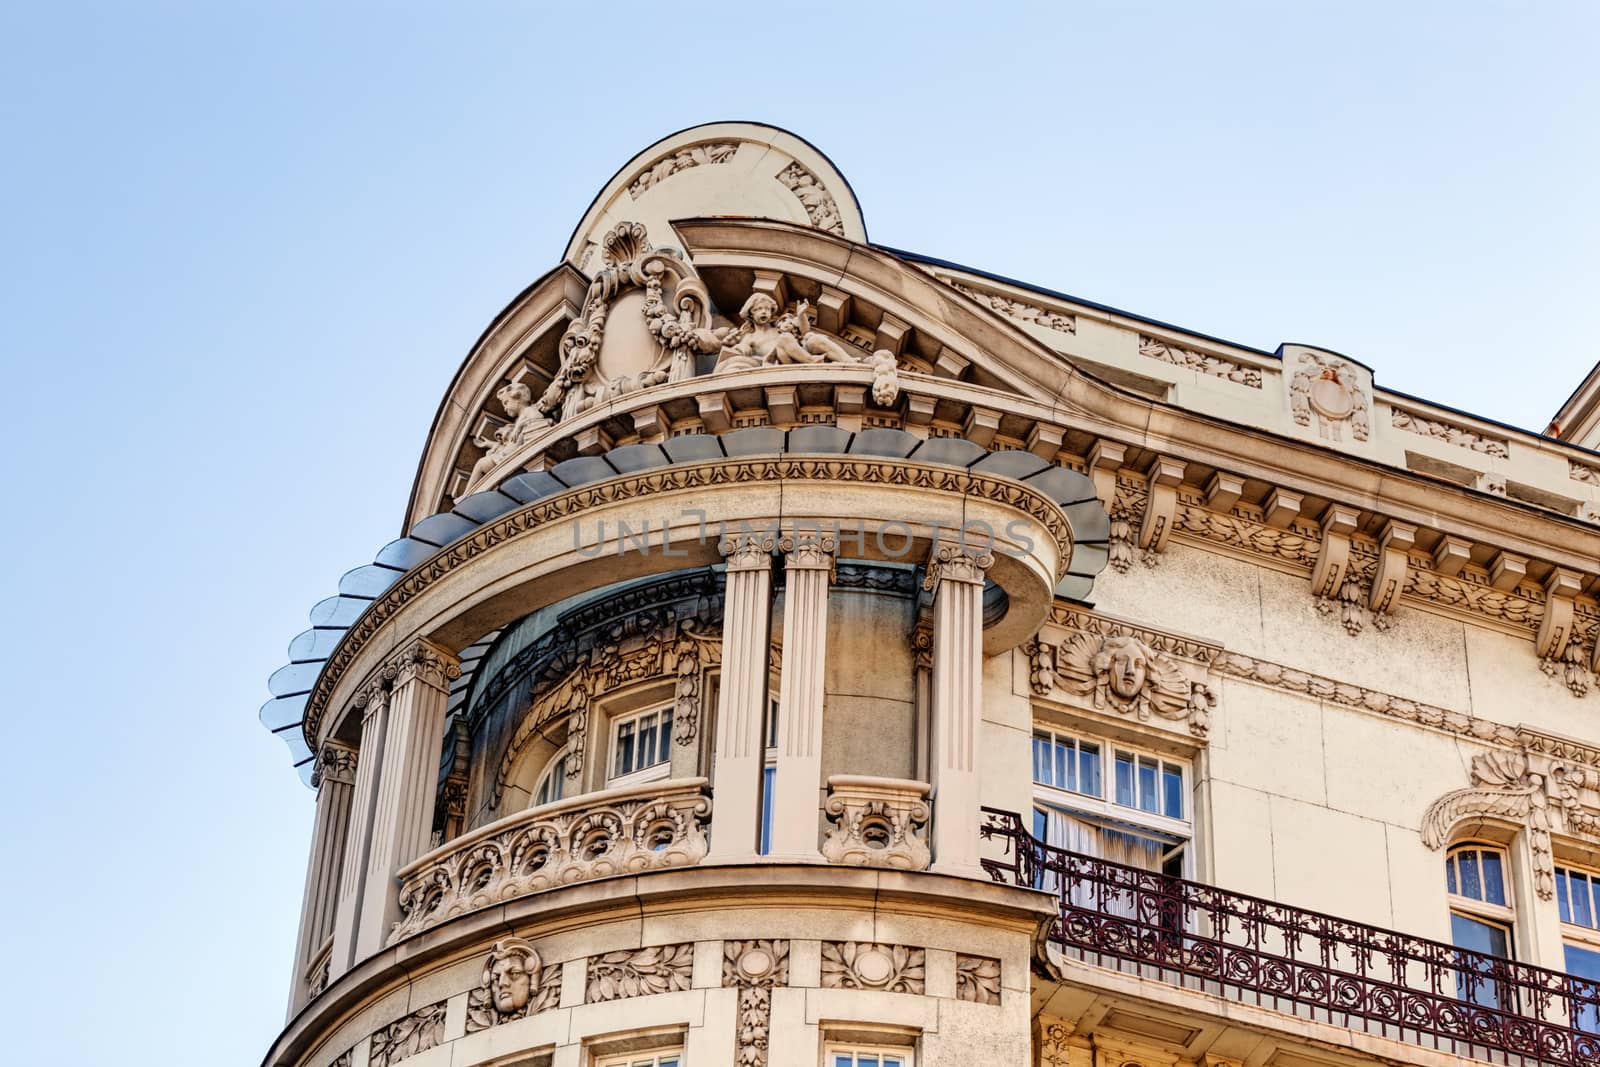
(1041,667)
(870,965)
(1053,1038)
(534,853)
(640,972)
(754,1028)
(1021,310)
(755,968)
(1571,666)
(683,159)
(1540,793)
(514,985)
(977,979)
(335,763)
(1123,673)
(1189,359)
(1293,545)
(426,663)
(1450,433)
(417,1032)
(1326,392)
(876,822)
(1128,505)
(814,197)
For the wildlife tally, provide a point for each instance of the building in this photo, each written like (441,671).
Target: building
(802,651)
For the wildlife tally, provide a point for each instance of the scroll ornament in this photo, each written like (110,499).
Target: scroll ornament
(1542,794)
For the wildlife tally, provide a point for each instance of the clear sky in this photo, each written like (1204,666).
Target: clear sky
(247,245)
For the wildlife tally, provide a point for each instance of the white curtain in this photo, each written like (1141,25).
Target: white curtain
(1079,835)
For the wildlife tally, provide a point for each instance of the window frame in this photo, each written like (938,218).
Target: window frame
(1103,807)
(657,771)
(641,1058)
(557,760)
(1478,908)
(855,1050)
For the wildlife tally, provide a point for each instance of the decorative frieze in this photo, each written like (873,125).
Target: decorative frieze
(1541,794)
(407,1036)
(871,965)
(514,985)
(977,979)
(1448,432)
(640,972)
(683,159)
(646,828)
(1020,310)
(1203,362)
(877,822)
(814,197)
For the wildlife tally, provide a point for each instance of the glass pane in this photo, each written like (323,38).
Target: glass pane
(667,1061)
(1450,873)
(649,726)
(1585,963)
(1124,779)
(892,1061)
(772,724)
(1582,913)
(1561,895)
(841,1059)
(666,736)
(866,1059)
(1172,791)
(1064,775)
(1471,883)
(1494,886)
(624,749)
(1041,759)
(769,777)
(1088,769)
(1149,797)
(1478,982)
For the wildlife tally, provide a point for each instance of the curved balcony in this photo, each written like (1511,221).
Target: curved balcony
(597,835)
(1300,962)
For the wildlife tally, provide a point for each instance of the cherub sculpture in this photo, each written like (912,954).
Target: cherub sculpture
(517,399)
(763,338)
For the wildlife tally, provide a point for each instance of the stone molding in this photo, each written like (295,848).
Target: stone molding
(877,822)
(872,965)
(977,979)
(729,471)
(1021,310)
(639,972)
(1202,362)
(1448,432)
(421,1030)
(597,835)
(1529,789)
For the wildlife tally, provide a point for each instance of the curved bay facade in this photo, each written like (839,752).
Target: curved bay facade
(804,652)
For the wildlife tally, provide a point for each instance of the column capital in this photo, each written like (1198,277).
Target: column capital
(428,663)
(335,763)
(808,549)
(373,696)
(748,551)
(956,562)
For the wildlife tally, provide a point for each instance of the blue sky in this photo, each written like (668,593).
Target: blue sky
(247,245)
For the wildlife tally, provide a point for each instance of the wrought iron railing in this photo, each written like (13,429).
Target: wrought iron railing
(1301,962)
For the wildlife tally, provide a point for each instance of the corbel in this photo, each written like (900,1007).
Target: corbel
(714,412)
(781,410)
(1105,459)
(592,441)
(1045,440)
(1223,492)
(891,334)
(1507,570)
(1281,508)
(981,426)
(917,417)
(1451,555)
(833,309)
(848,403)
(651,424)
(771,282)
(950,364)
(1338,523)
(1555,629)
(1394,560)
(1164,476)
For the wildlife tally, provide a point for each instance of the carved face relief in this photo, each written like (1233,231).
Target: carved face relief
(1127,665)
(511,984)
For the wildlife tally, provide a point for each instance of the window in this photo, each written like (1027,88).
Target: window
(867,1057)
(1134,812)
(1578,895)
(769,775)
(1480,921)
(641,746)
(552,781)
(674,1058)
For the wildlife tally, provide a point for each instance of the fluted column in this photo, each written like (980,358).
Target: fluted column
(798,791)
(334,778)
(742,703)
(955,575)
(373,704)
(402,817)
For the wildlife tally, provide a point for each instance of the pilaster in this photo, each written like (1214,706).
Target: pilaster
(808,559)
(741,714)
(402,818)
(334,778)
(955,576)
(373,703)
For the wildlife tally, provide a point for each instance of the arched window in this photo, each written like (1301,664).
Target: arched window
(1481,919)
(552,781)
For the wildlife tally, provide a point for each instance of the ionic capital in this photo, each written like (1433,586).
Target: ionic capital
(748,551)
(809,550)
(427,663)
(956,562)
(336,763)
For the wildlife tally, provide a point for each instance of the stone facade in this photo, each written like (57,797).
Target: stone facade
(803,649)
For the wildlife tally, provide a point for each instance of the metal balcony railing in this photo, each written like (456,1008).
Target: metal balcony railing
(1301,962)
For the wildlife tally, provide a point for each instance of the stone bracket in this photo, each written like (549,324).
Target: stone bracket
(1165,475)
(1394,560)
(1555,629)
(1338,523)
